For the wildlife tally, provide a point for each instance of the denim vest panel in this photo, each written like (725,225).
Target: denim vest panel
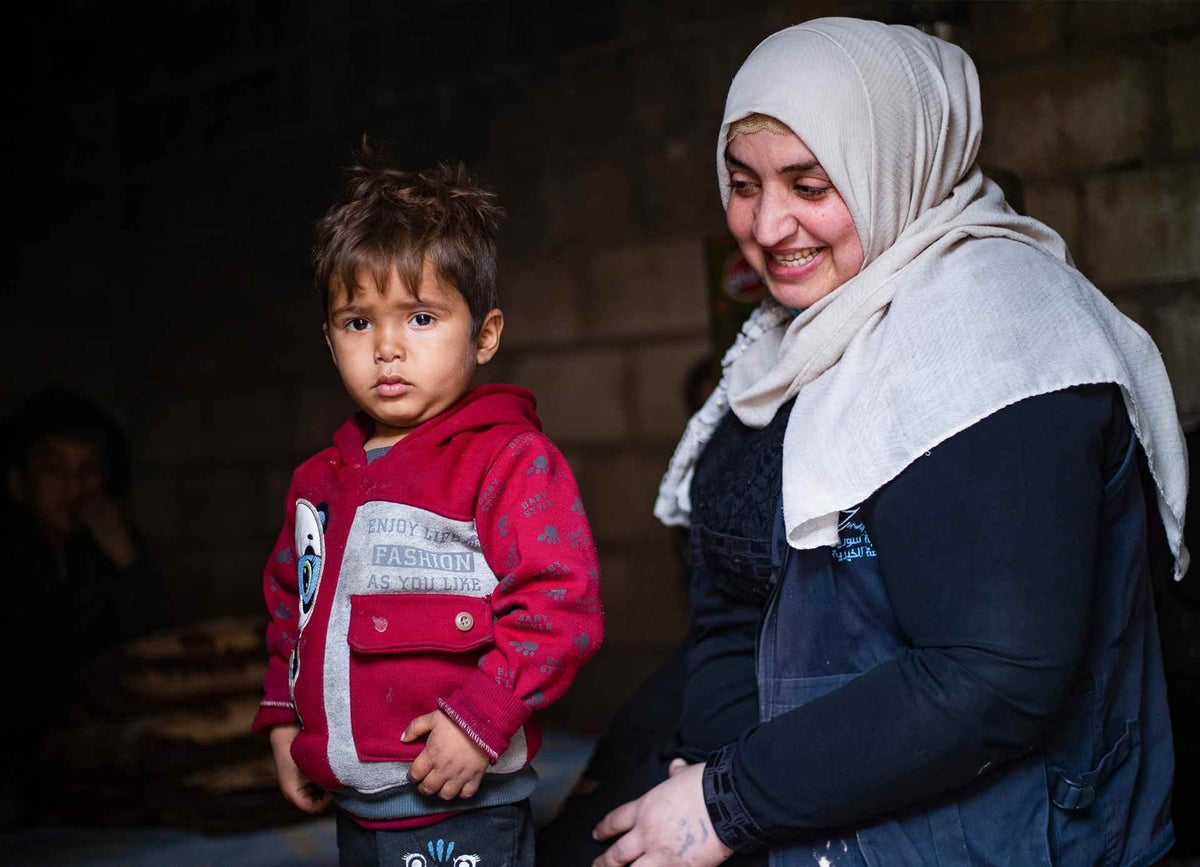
(1097,792)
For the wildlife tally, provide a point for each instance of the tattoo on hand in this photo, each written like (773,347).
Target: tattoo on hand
(688,842)
(689,839)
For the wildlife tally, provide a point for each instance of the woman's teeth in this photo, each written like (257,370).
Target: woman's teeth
(797,257)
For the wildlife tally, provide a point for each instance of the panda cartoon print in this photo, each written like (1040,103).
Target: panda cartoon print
(309,546)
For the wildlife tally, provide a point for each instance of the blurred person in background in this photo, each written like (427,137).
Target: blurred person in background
(79,582)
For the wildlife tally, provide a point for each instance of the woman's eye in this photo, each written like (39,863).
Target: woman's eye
(423,320)
(740,187)
(807,192)
(358,324)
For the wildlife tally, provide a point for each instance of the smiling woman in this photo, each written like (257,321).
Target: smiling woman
(921,502)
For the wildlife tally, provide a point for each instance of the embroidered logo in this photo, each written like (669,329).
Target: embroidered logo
(441,852)
(854,542)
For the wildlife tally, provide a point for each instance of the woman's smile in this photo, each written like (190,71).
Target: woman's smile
(793,264)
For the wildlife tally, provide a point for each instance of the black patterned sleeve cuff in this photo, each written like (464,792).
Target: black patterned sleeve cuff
(731,821)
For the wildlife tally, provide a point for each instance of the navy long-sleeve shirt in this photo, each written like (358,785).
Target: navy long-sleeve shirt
(986,546)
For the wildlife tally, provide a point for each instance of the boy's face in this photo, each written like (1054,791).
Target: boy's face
(405,360)
(61,473)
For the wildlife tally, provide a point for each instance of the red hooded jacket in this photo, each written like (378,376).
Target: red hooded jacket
(456,571)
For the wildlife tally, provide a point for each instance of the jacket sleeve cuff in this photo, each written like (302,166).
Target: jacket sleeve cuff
(276,707)
(271,714)
(730,819)
(487,712)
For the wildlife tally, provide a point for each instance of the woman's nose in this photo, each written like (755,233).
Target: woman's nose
(774,220)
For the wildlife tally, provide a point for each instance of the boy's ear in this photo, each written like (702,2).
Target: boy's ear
(488,339)
(329,343)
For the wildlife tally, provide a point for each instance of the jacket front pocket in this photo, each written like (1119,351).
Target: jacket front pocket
(407,650)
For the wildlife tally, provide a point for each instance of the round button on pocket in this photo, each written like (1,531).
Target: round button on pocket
(464,621)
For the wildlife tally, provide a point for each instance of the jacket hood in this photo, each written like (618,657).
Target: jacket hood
(481,408)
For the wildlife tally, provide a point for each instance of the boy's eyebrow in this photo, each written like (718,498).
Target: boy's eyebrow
(806,166)
(349,307)
(413,304)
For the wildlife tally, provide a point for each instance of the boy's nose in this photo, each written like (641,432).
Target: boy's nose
(388,345)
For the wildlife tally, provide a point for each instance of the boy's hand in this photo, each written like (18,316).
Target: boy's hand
(451,765)
(294,785)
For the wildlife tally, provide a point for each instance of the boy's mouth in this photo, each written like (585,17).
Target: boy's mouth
(391,385)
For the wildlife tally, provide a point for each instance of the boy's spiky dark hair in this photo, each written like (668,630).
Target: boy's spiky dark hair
(387,217)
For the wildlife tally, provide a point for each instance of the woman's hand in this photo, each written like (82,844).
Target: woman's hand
(666,827)
(295,786)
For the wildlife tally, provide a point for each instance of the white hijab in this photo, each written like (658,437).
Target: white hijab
(961,308)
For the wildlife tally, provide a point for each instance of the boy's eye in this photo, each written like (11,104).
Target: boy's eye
(423,320)
(357,324)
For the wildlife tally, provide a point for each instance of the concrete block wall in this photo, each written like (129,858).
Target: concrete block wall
(1096,106)
(597,129)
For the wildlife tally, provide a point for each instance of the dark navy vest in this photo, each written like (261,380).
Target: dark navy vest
(1098,789)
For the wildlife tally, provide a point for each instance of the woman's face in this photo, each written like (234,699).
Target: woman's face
(790,223)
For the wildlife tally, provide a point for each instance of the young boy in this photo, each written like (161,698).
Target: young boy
(435,580)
